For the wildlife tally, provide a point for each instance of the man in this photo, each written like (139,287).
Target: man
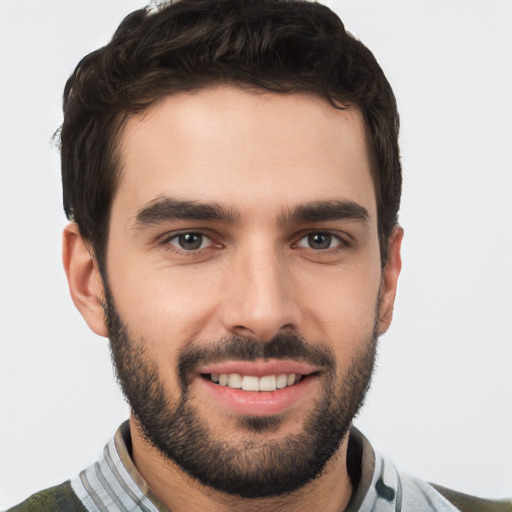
(231,171)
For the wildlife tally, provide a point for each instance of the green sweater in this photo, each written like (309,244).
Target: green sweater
(62,498)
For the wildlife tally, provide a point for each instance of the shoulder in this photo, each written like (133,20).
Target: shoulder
(467,503)
(420,495)
(58,498)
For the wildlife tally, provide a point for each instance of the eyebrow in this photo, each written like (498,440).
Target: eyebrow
(320,211)
(166,209)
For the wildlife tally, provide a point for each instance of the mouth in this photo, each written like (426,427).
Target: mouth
(253,382)
(259,388)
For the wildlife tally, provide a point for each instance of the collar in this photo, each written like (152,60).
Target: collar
(114,483)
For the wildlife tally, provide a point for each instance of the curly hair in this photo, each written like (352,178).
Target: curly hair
(283,46)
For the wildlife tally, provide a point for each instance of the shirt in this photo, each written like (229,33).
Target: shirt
(113,484)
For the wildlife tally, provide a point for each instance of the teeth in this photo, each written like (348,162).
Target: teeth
(268,383)
(250,383)
(281,381)
(235,380)
(253,383)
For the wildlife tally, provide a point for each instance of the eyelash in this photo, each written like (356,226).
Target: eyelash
(167,242)
(341,242)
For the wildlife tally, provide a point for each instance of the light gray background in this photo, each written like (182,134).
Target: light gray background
(441,401)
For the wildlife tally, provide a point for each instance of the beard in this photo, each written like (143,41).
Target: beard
(255,466)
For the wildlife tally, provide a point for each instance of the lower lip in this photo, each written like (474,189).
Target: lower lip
(259,403)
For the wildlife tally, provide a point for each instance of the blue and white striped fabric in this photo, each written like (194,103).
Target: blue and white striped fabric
(113,484)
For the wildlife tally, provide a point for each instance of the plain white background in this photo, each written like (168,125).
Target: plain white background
(440,404)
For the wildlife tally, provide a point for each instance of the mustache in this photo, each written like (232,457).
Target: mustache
(240,348)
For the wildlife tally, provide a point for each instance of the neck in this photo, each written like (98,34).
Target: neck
(330,492)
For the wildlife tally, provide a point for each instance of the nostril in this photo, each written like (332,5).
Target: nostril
(245,331)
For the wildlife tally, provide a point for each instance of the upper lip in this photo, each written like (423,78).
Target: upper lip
(259,368)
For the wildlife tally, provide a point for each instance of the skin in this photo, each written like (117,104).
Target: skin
(259,156)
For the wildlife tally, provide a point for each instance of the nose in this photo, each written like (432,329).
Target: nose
(258,297)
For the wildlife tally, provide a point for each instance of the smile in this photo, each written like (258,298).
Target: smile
(255,383)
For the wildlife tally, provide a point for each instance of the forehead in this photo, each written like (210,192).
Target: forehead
(246,149)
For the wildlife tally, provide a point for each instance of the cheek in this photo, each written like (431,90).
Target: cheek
(339,306)
(168,306)
(163,311)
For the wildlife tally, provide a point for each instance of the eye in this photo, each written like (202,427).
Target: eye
(319,241)
(190,241)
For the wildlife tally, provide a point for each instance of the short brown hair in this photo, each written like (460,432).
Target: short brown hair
(283,46)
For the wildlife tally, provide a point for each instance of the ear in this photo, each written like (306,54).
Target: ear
(85,284)
(390,275)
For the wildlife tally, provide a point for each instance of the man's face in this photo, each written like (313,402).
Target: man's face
(243,247)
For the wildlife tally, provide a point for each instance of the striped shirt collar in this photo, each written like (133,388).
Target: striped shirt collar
(113,484)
